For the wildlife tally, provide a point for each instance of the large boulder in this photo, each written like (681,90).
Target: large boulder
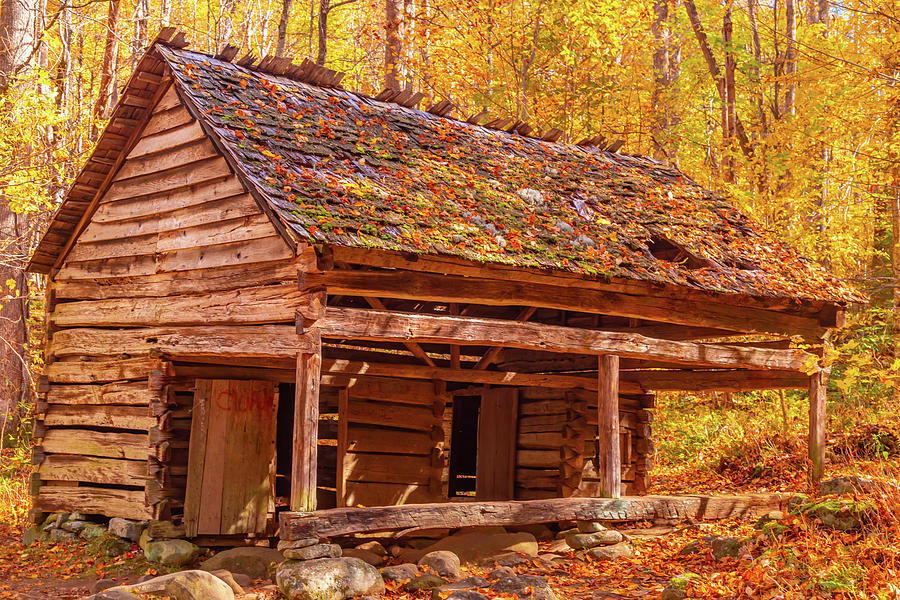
(474,547)
(403,572)
(607,537)
(328,579)
(172,553)
(620,550)
(126,528)
(843,515)
(184,585)
(252,561)
(849,484)
(313,552)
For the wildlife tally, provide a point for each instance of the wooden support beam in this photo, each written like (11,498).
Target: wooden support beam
(411,346)
(454,348)
(491,355)
(306,431)
(609,457)
(818,383)
(375,369)
(350,323)
(719,381)
(347,521)
(501,284)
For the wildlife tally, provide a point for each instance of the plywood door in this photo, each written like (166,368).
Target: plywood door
(231,460)
(497,424)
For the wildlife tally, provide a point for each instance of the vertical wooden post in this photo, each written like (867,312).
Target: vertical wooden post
(343,434)
(306,431)
(609,467)
(817,387)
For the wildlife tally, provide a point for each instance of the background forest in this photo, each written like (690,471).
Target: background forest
(788,107)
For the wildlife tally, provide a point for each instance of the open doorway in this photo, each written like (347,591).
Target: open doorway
(326,475)
(483,445)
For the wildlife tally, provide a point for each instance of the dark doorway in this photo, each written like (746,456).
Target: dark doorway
(464,446)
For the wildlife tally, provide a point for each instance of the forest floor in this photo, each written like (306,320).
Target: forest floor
(804,559)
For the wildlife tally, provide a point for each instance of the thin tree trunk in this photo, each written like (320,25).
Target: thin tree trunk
(895,269)
(392,43)
(703,42)
(790,56)
(755,70)
(323,32)
(282,27)
(730,115)
(110,52)
(660,121)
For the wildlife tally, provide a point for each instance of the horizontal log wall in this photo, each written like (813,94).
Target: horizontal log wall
(174,241)
(556,441)
(393,442)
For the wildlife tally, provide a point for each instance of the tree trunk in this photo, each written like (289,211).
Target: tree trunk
(660,122)
(323,32)
(895,269)
(282,27)
(392,43)
(703,42)
(17,28)
(790,56)
(105,97)
(730,113)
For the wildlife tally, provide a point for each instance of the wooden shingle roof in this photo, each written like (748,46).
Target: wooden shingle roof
(342,168)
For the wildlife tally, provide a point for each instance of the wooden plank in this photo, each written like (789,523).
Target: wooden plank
(116,393)
(128,504)
(132,446)
(537,459)
(209,257)
(262,341)
(306,430)
(360,438)
(166,140)
(496,457)
(90,469)
(164,120)
(451,265)
(172,179)
(390,415)
(350,323)
(723,381)
(346,521)
(401,391)
(239,229)
(187,154)
(197,455)
(220,209)
(467,375)
(609,457)
(167,102)
(207,188)
(387,468)
(214,466)
(343,444)
(170,284)
(386,494)
(99,371)
(263,304)
(818,397)
(119,417)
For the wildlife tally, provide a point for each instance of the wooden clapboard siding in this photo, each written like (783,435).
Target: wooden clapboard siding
(132,446)
(93,500)
(386,494)
(207,189)
(387,468)
(117,417)
(390,415)
(91,469)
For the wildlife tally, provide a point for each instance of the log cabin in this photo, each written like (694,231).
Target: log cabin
(269,295)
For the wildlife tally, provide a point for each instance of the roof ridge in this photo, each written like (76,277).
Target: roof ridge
(310,73)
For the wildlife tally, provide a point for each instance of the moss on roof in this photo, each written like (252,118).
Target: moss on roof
(341,168)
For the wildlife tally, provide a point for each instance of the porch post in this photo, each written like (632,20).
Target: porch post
(609,467)
(817,387)
(306,430)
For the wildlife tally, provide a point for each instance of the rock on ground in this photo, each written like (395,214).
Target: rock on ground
(424,581)
(472,547)
(254,562)
(228,578)
(530,587)
(442,562)
(581,541)
(313,552)
(501,573)
(403,572)
(328,579)
(184,585)
(620,550)
(466,595)
(589,526)
(173,553)
(365,555)
(125,528)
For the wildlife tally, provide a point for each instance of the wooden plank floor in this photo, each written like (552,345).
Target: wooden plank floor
(344,521)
